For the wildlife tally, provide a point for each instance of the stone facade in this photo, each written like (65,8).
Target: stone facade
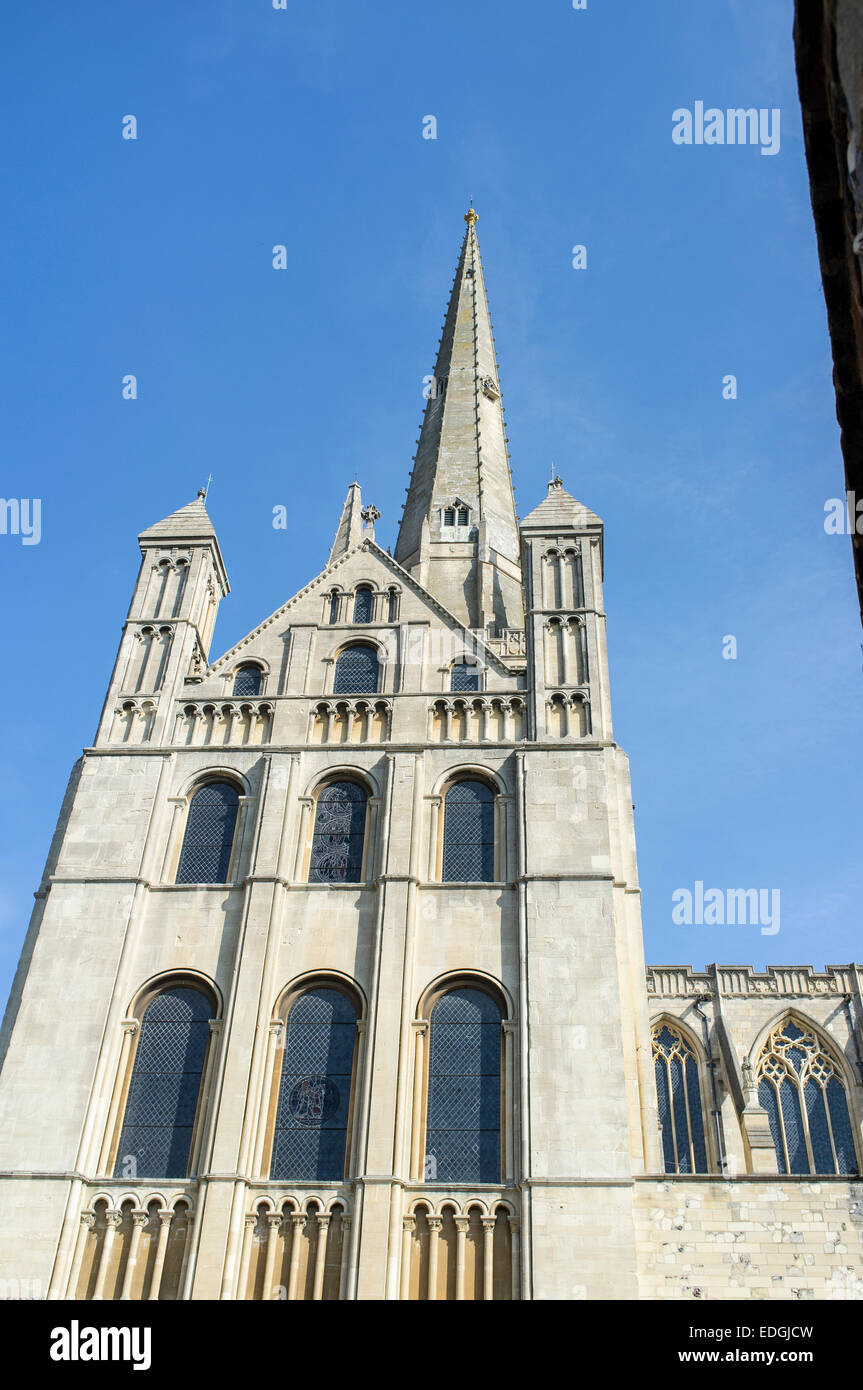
(581,1205)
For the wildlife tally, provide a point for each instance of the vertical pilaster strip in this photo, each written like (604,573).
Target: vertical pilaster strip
(88,1221)
(523,1022)
(404,1121)
(246,1255)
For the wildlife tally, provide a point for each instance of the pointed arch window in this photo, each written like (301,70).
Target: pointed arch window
(247,681)
(464,1087)
(209,838)
(802,1089)
(357,671)
(165,1087)
(314,1100)
(468,833)
(339,834)
(363,605)
(678,1094)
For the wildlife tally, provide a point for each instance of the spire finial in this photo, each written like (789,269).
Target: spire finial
(471,217)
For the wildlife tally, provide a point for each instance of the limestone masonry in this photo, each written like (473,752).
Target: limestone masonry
(335,984)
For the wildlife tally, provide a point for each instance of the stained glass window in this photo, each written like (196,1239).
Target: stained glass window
(801,1088)
(207,843)
(165,1086)
(463,1126)
(464,676)
(468,833)
(679,1098)
(247,681)
(315,1088)
(363,606)
(337,843)
(356,672)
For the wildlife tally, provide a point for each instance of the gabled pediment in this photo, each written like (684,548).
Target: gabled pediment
(346,573)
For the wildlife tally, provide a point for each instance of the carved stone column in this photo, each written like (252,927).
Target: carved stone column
(246,1254)
(165,1219)
(408,1228)
(139,1221)
(274,1224)
(321,1256)
(112,1225)
(462,1225)
(435,1224)
(298,1222)
(488,1225)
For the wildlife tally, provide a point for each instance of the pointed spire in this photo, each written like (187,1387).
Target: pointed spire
(189,522)
(350,528)
(460,490)
(559,509)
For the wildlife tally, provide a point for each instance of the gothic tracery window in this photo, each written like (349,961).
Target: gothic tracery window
(678,1095)
(209,838)
(313,1107)
(339,834)
(802,1089)
(165,1086)
(357,671)
(464,1074)
(468,833)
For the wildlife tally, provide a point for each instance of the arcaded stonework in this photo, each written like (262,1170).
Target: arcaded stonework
(581,1206)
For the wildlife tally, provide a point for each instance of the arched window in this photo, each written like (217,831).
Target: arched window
(363,606)
(393,606)
(468,833)
(463,1117)
(209,838)
(679,1098)
(162,1103)
(357,672)
(247,681)
(339,834)
(311,1130)
(464,675)
(334,608)
(801,1088)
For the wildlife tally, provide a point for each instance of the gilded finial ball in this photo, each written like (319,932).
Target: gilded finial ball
(471,216)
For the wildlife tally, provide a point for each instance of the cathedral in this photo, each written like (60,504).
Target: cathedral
(335,983)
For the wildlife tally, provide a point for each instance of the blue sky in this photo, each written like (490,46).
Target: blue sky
(304,127)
